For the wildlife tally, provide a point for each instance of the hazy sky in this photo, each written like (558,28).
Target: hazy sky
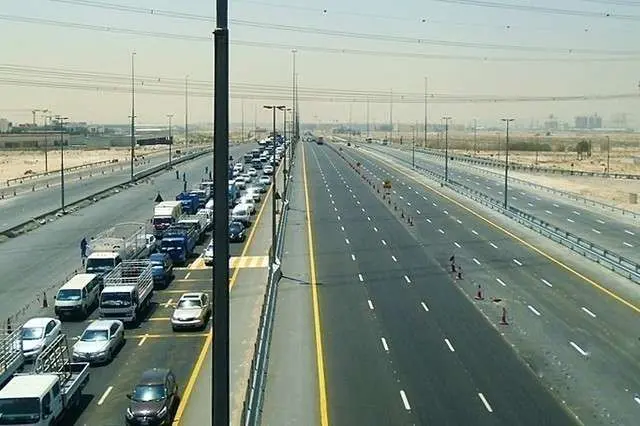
(559,41)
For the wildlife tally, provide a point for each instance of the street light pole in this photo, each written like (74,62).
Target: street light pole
(170,116)
(286,171)
(46,141)
(475,135)
(186,112)
(446,147)
(133,111)
(61,122)
(272,252)
(608,154)
(414,129)
(506,161)
(426,82)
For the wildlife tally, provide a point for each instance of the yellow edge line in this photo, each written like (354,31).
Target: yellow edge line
(203,352)
(520,240)
(322,387)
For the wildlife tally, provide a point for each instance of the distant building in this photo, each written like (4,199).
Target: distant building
(588,122)
(5,125)
(31,140)
(551,123)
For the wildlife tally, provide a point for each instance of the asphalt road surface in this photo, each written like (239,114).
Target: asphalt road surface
(611,232)
(570,328)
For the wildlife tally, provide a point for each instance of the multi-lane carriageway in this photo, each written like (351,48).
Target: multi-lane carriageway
(400,341)
(152,343)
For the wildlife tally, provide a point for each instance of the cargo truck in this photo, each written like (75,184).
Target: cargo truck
(198,221)
(45,395)
(127,291)
(122,242)
(165,214)
(190,202)
(11,354)
(179,242)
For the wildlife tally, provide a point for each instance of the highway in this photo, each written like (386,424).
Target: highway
(611,231)
(152,343)
(404,342)
(26,205)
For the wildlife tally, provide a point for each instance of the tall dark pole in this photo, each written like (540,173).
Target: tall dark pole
(186,112)
(46,144)
(293,95)
(446,148)
(426,87)
(170,116)
(414,129)
(475,136)
(506,161)
(274,187)
(61,122)
(242,119)
(286,145)
(608,154)
(133,112)
(220,274)
(368,118)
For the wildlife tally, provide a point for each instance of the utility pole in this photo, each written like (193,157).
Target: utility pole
(390,117)
(446,147)
(350,106)
(220,272)
(285,171)
(506,161)
(414,130)
(133,111)
(255,121)
(186,111)
(368,135)
(608,154)
(170,116)
(61,123)
(242,118)
(293,96)
(46,140)
(426,126)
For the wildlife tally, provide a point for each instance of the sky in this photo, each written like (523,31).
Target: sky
(466,48)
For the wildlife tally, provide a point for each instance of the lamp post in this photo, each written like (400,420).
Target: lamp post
(506,161)
(446,147)
(61,123)
(46,141)
(133,111)
(272,253)
(414,129)
(608,154)
(170,116)
(285,171)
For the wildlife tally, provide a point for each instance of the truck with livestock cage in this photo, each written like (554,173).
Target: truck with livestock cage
(127,291)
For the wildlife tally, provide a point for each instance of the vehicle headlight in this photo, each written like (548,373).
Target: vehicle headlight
(162,412)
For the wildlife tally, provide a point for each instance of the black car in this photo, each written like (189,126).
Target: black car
(257,163)
(154,400)
(237,232)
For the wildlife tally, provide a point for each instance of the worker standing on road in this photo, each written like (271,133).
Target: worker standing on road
(83,250)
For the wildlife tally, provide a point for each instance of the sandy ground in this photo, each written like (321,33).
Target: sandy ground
(15,163)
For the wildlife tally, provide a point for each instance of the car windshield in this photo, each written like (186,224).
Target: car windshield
(147,393)
(95,336)
(189,303)
(65,295)
(32,333)
(235,228)
(19,411)
(161,220)
(99,264)
(115,299)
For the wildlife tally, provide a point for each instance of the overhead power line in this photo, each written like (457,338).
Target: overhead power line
(347,34)
(100,82)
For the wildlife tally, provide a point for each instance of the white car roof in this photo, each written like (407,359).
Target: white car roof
(102,324)
(37,322)
(193,295)
(78,282)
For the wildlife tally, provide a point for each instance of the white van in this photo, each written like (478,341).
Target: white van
(78,296)
(241,213)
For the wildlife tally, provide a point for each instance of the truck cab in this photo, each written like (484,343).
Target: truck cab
(102,263)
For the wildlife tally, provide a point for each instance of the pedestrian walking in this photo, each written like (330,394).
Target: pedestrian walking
(83,250)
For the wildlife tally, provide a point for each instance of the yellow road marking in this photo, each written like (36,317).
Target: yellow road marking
(205,290)
(234,263)
(203,352)
(144,339)
(520,240)
(322,388)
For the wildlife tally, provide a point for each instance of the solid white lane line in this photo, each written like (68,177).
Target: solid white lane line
(459,221)
(571,220)
(360,278)
(476,260)
(166,305)
(501,282)
(534,310)
(394,258)
(424,306)
(517,262)
(601,222)
(440,231)
(485,402)
(406,278)
(384,344)
(342,228)
(474,232)
(346,240)
(588,312)
(353,257)
(547,283)
(418,211)
(578,348)
(375,229)
(449,345)
(428,220)
(370,304)
(627,244)
(493,245)
(596,231)
(548,212)
(405,401)
(629,232)
(105,395)
(446,212)
(384,243)
(186,277)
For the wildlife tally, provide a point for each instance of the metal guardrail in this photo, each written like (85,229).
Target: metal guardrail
(21,179)
(570,195)
(14,231)
(611,260)
(254,395)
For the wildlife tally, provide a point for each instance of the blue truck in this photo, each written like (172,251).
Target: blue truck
(162,269)
(179,242)
(190,202)
(234,194)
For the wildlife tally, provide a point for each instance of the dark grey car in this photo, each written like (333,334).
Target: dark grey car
(154,399)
